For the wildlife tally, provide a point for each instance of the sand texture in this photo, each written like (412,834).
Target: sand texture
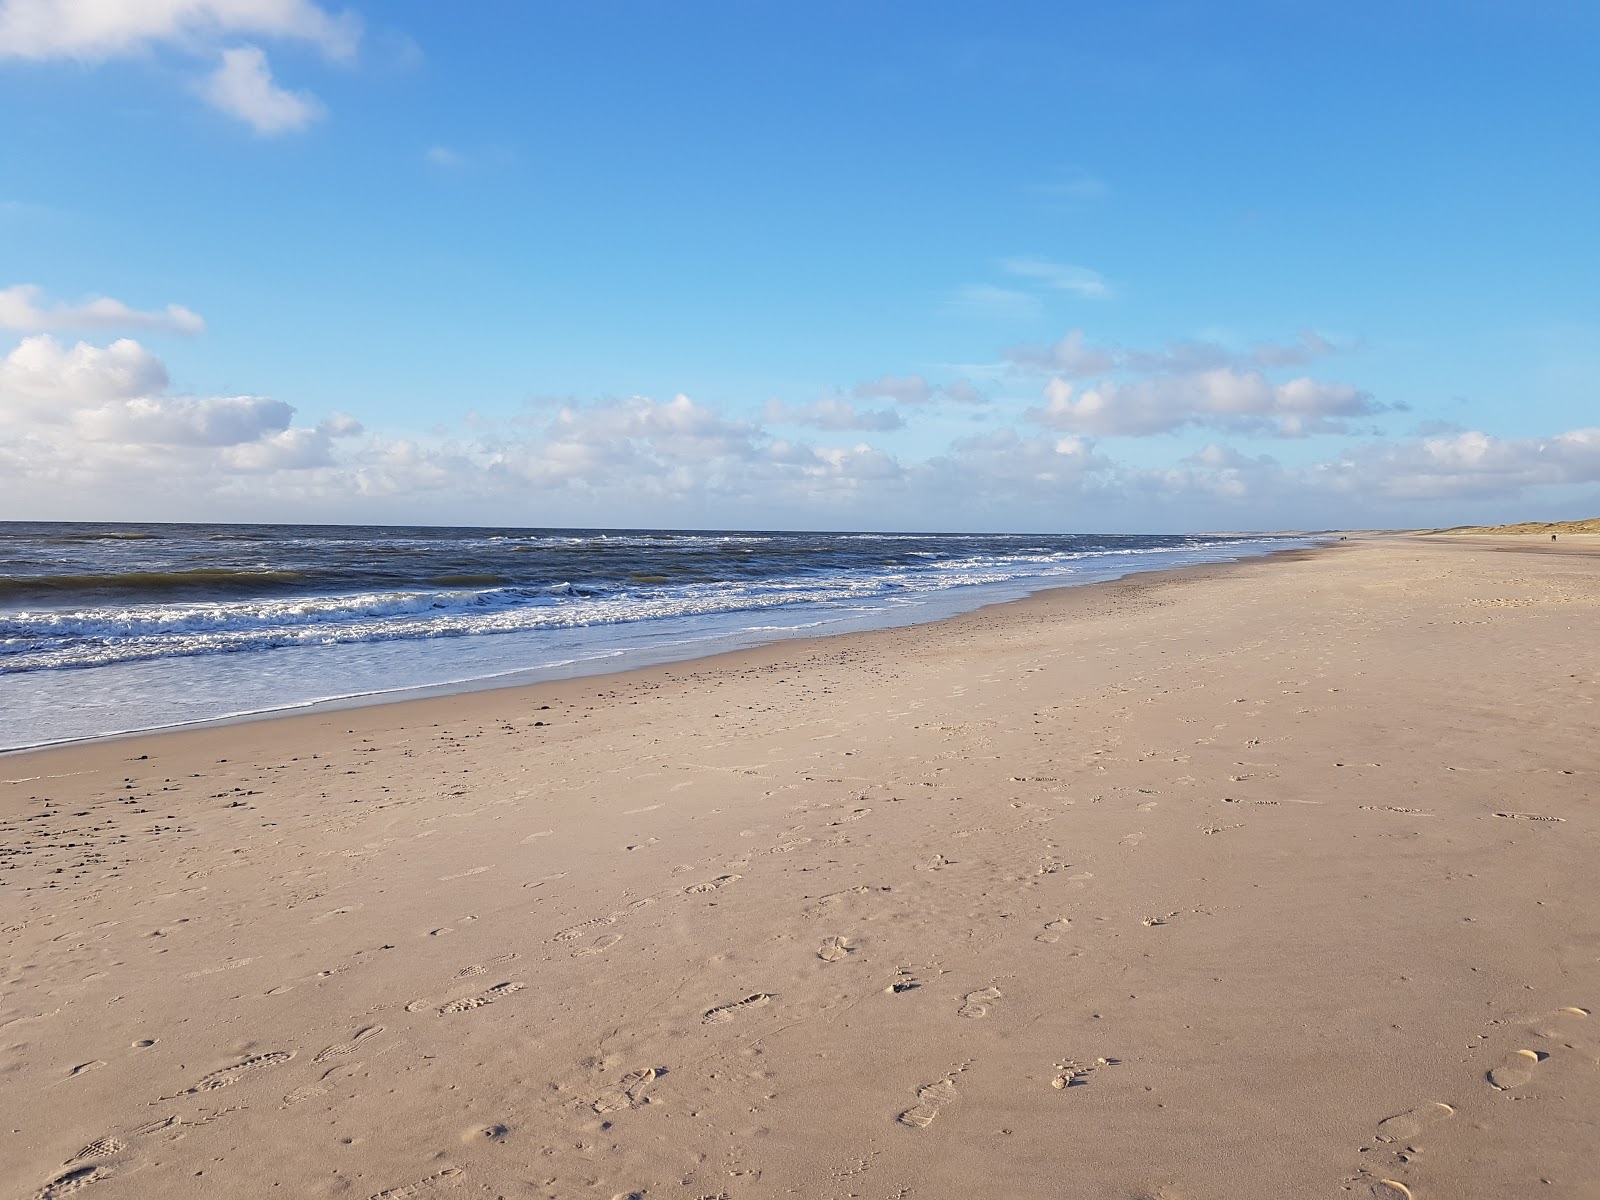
(1268,880)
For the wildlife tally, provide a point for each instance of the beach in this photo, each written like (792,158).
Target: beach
(1267,878)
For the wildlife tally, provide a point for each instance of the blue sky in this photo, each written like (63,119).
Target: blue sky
(1031,266)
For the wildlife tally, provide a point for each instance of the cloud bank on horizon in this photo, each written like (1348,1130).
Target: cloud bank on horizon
(987,385)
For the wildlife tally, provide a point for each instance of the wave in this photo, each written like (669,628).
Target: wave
(100,634)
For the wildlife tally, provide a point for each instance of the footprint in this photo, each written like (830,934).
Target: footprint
(71,1181)
(1521,816)
(1408,1127)
(1054,930)
(323,1084)
(937,863)
(931,1097)
(572,933)
(467,1003)
(836,948)
(1515,1069)
(99,1148)
(726,1012)
(406,1191)
(711,885)
(229,1076)
(349,1047)
(85,1068)
(976,1004)
(157,1126)
(599,946)
(629,1092)
(854,815)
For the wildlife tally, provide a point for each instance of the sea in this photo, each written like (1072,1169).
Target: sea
(117,628)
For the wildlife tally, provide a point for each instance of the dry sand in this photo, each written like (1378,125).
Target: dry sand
(1267,880)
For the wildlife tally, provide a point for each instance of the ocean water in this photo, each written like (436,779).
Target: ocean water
(109,628)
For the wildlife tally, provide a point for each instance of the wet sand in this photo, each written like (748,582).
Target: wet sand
(1268,879)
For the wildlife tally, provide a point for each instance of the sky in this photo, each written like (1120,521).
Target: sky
(840,265)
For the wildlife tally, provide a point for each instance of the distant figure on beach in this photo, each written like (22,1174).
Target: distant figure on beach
(1552,537)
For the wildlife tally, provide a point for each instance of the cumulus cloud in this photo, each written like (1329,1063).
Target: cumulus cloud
(241,84)
(90,415)
(102,426)
(95,30)
(1467,465)
(1222,398)
(20,309)
(1071,355)
(1062,277)
(41,379)
(832,413)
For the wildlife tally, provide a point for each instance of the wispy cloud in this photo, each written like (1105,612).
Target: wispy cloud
(1074,356)
(834,414)
(1063,277)
(914,389)
(993,303)
(20,308)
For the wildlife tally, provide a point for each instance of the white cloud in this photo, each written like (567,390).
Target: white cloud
(184,420)
(1071,356)
(95,30)
(1074,357)
(104,415)
(443,157)
(1468,465)
(902,389)
(963,391)
(242,87)
(20,309)
(91,429)
(1221,398)
(1063,277)
(914,390)
(832,413)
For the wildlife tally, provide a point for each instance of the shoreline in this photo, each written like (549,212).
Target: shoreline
(1074,892)
(640,659)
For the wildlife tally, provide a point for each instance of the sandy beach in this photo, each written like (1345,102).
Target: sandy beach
(1272,879)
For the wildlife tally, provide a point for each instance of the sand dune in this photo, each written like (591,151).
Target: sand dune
(1270,879)
(1589,526)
